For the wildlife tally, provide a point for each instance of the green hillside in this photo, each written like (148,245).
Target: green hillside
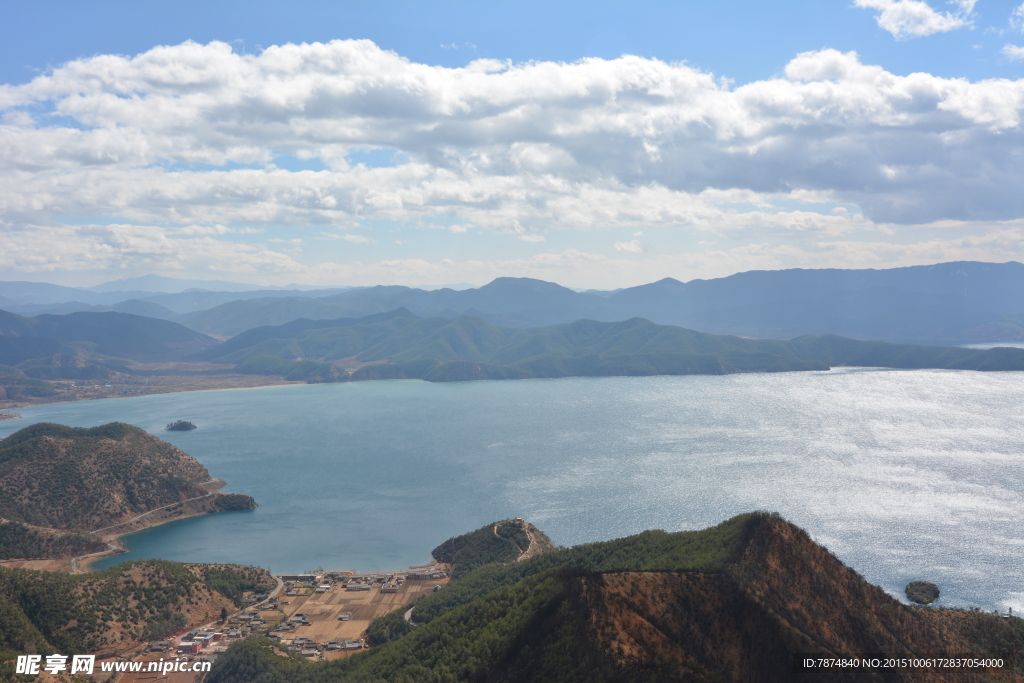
(114,609)
(83,479)
(732,603)
(75,478)
(24,541)
(707,551)
(499,542)
(465,348)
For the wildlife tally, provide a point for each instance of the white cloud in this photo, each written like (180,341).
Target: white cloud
(1013,52)
(633,247)
(1017,18)
(498,141)
(915,18)
(596,145)
(132,248)
(102,249)
(348,237)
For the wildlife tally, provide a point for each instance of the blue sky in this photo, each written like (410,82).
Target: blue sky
(597,144)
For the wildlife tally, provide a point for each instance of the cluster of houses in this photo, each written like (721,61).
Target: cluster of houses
(323,583)
(427,576)
(315,583)
(199,638)
(389,583)
(252,618)
(310,648)
(293,622)
(199,641)
(240,626)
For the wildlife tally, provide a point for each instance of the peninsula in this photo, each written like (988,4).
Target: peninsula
(69,492)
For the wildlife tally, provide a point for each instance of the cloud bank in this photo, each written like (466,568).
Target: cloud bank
(915,18)
(116,161)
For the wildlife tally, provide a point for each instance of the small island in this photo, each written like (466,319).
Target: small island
(180,426)
(922,592)
(8,416)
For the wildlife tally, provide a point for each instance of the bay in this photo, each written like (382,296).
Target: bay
(903,475)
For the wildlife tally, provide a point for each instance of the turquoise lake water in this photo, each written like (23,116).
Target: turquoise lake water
(902,474)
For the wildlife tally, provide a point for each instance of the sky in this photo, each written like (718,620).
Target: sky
(593,144)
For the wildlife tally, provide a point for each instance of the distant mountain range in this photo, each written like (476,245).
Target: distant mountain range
(119,335)
(950,303)
(399,344)
(172,285)
(152,295)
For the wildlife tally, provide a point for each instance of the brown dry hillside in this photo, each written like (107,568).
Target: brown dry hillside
(785,595)
(115,610)
(86,479)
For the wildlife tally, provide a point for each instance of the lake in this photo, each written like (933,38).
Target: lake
(903,475)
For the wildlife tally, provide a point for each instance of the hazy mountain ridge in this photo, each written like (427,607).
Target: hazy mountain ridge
(947,303)
(176,297)
(730,603)
(120,335)
(467,347)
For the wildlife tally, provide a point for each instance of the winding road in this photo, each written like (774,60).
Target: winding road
(164,507)
(111,547)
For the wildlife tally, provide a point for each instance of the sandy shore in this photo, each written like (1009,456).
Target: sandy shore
(90,390)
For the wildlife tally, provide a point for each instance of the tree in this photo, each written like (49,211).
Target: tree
(223,614)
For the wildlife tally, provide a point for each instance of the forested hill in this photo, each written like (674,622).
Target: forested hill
(87,479)
(506,541)
(115,610)
(469,347)
(732,603)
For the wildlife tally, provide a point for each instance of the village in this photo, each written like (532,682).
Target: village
(319,616)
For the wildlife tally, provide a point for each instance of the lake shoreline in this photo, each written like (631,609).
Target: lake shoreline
(359,475)
(176,384)
(113,534)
